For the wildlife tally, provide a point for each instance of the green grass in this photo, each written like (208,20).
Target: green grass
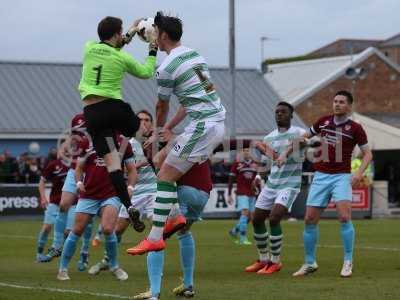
(219,266)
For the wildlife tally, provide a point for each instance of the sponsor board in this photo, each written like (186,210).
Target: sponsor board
(218,206)
(20,200)
(361,200)
(218,201)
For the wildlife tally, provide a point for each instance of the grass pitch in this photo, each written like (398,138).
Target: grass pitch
(219,266)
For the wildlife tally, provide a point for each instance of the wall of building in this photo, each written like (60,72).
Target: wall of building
(392,52)
(378,92)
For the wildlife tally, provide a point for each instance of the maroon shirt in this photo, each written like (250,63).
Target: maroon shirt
(78,132)
(339,140)
(76,147)
(199,177)
(55,172)
(245,172)
(97,181)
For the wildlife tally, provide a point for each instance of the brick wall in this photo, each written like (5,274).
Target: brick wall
(393,53)
(378,92)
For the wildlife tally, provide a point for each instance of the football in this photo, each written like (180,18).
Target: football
(146,30)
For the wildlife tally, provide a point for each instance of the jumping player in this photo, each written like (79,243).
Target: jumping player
(104,66)
(183,73)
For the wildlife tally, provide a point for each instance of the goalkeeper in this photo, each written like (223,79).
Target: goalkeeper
(104,67)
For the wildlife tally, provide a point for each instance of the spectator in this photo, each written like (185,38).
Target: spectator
(23,169)
(8,168)
(51,156)
(220,171)
(14,172)
(3,168)
(31,173)
(22,162)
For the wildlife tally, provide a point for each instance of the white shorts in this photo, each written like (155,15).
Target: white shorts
(195,144)
(144,204)
(268,197)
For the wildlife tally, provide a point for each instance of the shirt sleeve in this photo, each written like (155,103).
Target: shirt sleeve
(315,128)
(302,131)
(48,171)
(361,137)
(88,45)
(267,139)
(137,69)
(82,149)
(234,169)
(129,157)
(165,85)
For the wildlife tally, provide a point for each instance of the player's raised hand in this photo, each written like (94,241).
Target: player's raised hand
(130,191)
(356,179)
(132,31)
(134,27)
(153,36)
(165,135)
(150,141)
(259,145)
(230,200)
(153,46)
(281,160)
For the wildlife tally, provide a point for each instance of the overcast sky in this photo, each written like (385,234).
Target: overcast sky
(55,30)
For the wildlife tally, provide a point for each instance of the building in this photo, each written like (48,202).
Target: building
(391,48)
(343,47)
(310,85)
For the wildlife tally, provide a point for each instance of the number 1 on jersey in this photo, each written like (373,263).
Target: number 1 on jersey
(98,69)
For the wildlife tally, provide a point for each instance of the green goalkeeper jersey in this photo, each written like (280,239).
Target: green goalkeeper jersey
(104,67)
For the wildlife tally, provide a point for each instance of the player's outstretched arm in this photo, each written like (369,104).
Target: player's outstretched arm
(131,32)
(266,150)
(296,144)
(366,159)
(79,174)
(162,108)
(132,177)
(176,119)
(63,150)
(137,69)
(42,193)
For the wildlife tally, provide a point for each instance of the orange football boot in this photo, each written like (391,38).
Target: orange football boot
(256,266)
(146,246)
(173,225)
(270,269)
(96,242)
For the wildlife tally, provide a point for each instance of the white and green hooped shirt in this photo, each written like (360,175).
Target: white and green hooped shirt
(289,175)
(147,181)
(185,74)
